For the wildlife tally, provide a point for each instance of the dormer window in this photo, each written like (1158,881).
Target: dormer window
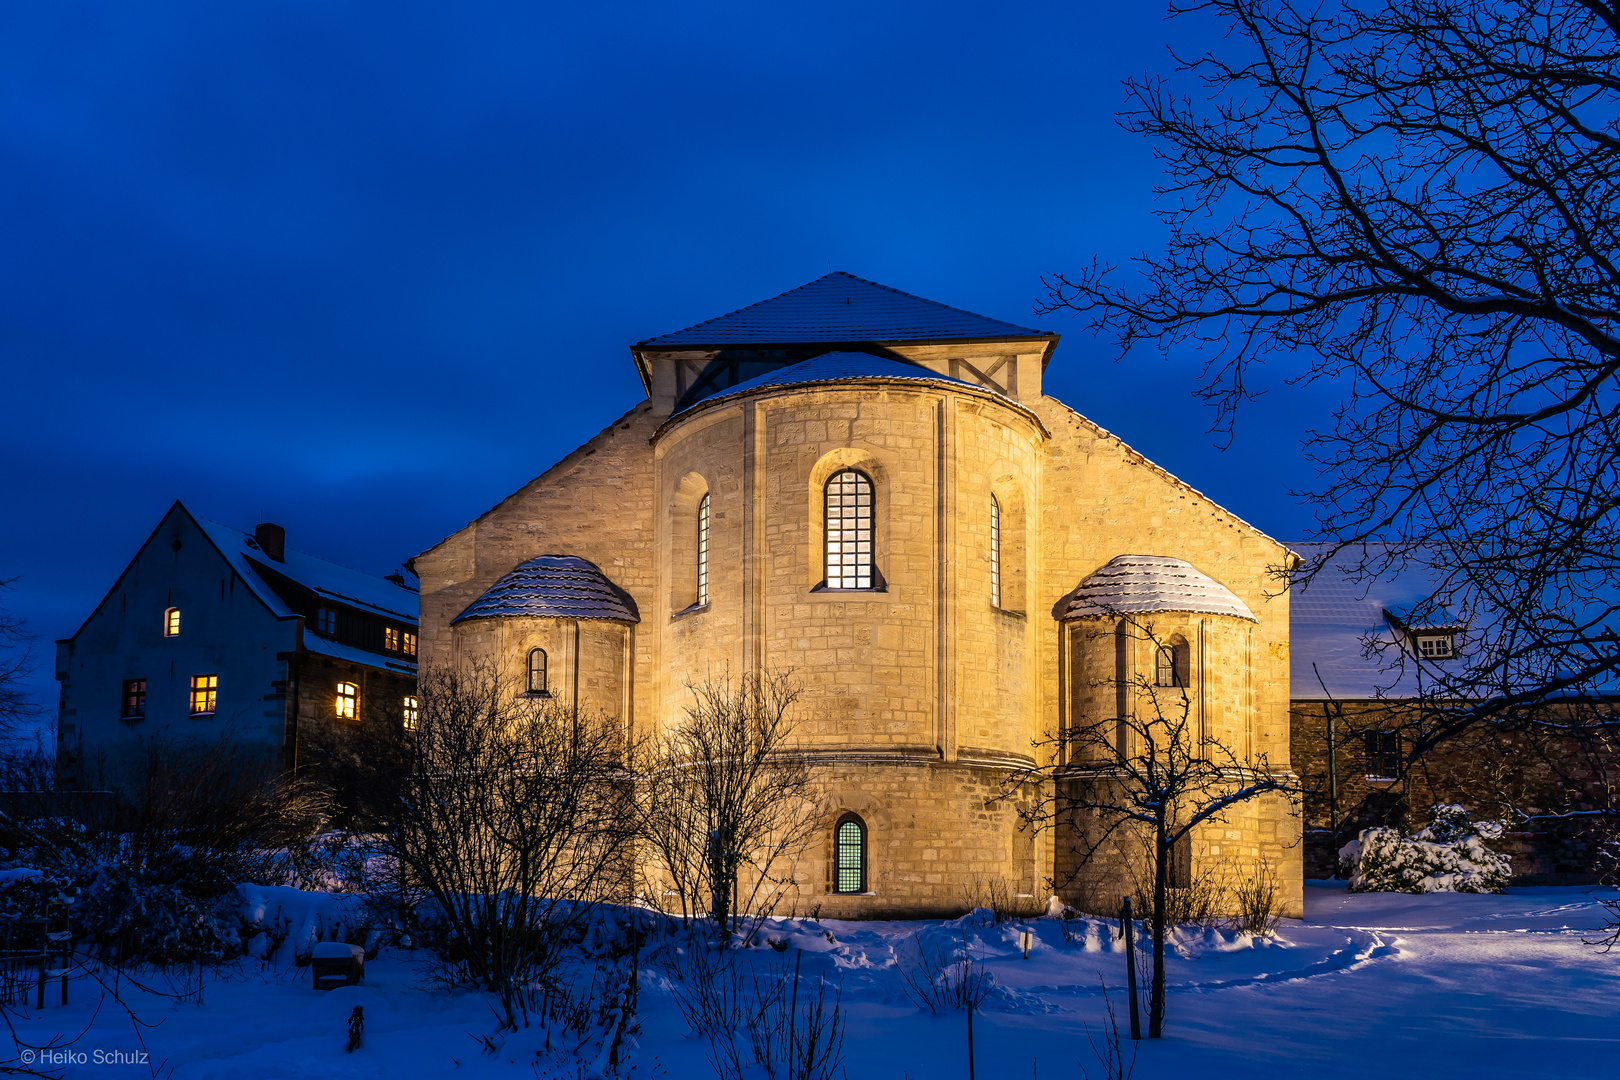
(391,638)
(408,643)
(1432,646)
(326,620)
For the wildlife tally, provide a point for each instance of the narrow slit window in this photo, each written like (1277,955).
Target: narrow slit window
(409,713)
(995,551)
(204,694)
(171,622)
(347,702)
(703,551)
(849,531)
(849,843)
(537,672)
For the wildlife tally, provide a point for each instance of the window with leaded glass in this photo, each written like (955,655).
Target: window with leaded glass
(995,551)
(849,531)
(703,550)
(849,844)
(537,672)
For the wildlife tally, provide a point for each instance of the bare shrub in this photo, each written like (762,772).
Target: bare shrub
(1257,900)
(516,819)
(1110,1053)
(766,1019)
(728,802)
(939,981)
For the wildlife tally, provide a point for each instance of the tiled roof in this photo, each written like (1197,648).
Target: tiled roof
(1150,584)
(553,587)
(836,367)
(341,583)
(842,308)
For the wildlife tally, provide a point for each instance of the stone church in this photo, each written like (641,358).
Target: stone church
(871,490)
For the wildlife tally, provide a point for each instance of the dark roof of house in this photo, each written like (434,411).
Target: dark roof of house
(1150,584)
(835,367)
(553,587)
(841,307)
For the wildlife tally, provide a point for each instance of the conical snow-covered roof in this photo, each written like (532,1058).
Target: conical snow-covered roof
(1149,584)
(553,587)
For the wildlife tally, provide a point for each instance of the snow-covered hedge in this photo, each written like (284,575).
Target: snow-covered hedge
(1448,856)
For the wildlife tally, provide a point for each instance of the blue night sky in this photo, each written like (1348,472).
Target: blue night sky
(364,268)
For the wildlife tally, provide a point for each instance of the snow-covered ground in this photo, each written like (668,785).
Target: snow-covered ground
(1366,985)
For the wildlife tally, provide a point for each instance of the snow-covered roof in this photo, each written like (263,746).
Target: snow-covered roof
(836,367)
(841,307)
(553,587)
(1149,584)
(1335,615)
(315,643)
(340,583)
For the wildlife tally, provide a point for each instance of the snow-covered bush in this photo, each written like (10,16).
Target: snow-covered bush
(146,922)
(31,894)
(1449,855)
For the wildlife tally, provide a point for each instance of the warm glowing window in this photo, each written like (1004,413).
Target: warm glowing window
(134,698)
(171,622)
(537,671)
(409,713)
(995,551)
(391,638)
(347,702)
(204,694)
(703,551)
(849,844)
(408,643)
(326,621)
(849,531)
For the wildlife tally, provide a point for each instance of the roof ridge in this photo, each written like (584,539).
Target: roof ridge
(300,551)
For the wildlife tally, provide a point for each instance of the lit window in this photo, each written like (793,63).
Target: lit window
(204,694)
(326,621)
(409,713)
(391,638)
(408,643)
(134,698)
(347,703)
(849,842)
(849,531)
(1436,646)
(537,672)
(703,551)
(171,622)
(1382,750)
(995,551)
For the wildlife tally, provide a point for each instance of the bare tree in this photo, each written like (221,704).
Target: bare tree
(1148,778)
(16,663)
(1414,202)
(728,798)
(516,818)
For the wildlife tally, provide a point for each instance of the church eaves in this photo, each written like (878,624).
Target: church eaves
(842,308)
(553,587)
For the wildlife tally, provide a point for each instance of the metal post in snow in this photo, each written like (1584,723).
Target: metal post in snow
(1130,967)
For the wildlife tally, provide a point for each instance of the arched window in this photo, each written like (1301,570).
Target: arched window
(849,530)
(849,855)
(171,622)
(703,550)
(1172,665)
(537,672)
(995,551)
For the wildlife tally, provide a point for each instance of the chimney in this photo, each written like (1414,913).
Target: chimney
(272,540)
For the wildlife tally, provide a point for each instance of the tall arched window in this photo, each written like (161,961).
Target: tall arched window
(703,550)
(849,530)
(1172,664)
(995,551)
(537,672)
(849,855)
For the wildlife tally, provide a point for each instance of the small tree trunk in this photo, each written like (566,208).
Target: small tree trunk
(1156,997)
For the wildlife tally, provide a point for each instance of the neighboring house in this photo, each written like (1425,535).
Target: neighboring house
(1363,675)
(212,632)
(871,491)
